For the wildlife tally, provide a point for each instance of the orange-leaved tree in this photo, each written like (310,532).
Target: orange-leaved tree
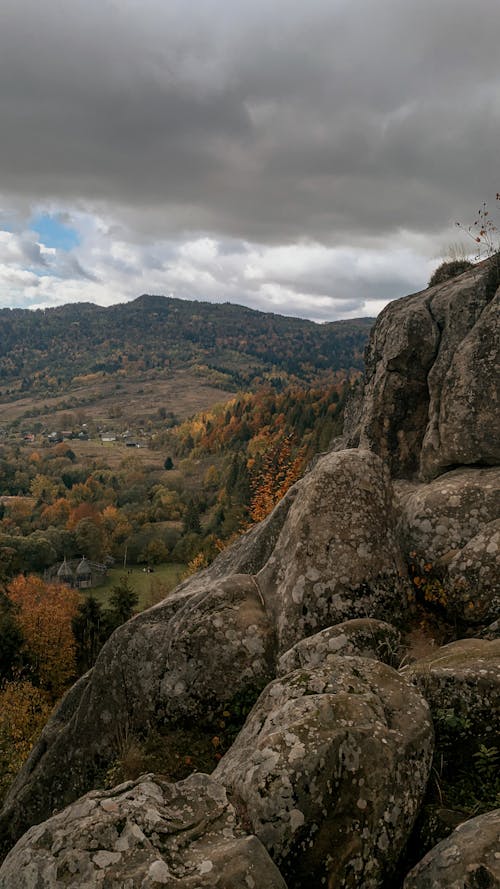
(280,469)
(44,612)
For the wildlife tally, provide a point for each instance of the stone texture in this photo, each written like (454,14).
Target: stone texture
(202,645)
(364,637)
(330,769)
(436,520)
(464,385)
(143,835)
(464,678)
(337,556)
(432,379)
(468,859)
(491,632)
(474,576)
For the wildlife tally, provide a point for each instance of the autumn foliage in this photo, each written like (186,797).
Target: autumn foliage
(44,614)
(24,709)
(279,472)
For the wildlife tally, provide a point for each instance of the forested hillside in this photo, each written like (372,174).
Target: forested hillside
(232,345)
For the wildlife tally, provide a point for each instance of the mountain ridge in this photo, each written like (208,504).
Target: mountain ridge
(161,333)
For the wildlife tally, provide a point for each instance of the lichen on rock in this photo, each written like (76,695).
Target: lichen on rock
(330,769)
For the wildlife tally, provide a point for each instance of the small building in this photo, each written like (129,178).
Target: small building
(65,573)
(83,575)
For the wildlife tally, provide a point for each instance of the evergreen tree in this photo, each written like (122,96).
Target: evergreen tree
(122,599)
(90,631)
(191,523)
(11,638)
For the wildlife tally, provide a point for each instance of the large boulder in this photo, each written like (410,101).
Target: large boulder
(143,835)
(364,637)
(436,520)
(468,859)
(337,556)
(178,661)
(431,382)
(330,769)
(449,531)
(462,679)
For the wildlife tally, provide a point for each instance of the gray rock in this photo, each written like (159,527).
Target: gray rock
(462,678)
(491,632)
(468,859)
(474,576)
(330,769)
(436,520)
(337,556)
(178,660)
(364,637)
(432,379)
(464,385)
(141,835)
(402,349)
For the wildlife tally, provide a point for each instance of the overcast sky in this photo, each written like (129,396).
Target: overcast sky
(308,158)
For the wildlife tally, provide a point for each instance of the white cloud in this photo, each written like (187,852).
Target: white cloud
(306,279)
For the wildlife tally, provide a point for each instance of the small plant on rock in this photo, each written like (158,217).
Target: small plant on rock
(448,270)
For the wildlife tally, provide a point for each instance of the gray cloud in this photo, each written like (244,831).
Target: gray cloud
(357,132)
(265,121)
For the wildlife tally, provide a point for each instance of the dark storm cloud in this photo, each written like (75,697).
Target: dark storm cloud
(270,122)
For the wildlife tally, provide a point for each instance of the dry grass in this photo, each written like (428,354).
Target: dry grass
(117,401)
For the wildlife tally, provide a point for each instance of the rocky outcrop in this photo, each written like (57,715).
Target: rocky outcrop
(220,635)
(464,408)
(337,555)
(175,662)
(438,519)
(431,398)
(330,769)
(143,835)
(468,859)
(451,526)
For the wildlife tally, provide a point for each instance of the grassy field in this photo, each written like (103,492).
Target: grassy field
(116,402)
(151,588)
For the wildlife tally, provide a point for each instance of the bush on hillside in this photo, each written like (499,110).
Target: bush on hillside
(448,270)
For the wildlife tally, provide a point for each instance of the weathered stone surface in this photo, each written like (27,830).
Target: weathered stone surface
(364,637)
(464,385)
(438,519)
(394,415)
(337,556)
(142,835)
(330,769)
(474,576)
(491,632)
(468,859)
(431,383)
(202,645)
(464,678)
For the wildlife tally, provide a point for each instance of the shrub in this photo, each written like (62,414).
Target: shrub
(448,270)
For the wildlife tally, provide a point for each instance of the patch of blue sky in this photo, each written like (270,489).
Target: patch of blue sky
(53,232)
